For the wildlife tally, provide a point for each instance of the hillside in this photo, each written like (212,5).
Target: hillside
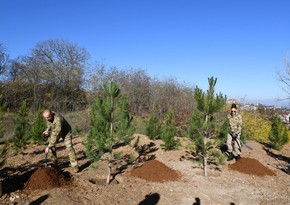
(165,178)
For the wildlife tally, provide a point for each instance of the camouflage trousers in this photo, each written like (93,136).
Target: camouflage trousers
(237,144)
(69,149)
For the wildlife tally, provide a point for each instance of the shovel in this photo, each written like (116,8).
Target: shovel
(285,168)
(245,145)
(240,142)
(45,162)
(45,154)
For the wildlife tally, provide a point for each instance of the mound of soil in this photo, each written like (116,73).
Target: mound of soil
(155,171)
(47,178)
(252,167)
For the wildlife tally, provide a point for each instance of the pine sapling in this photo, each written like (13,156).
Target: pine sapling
(202,124)
(3,148)
(111,125)
(278,135)
(37,128)
(168,132)
(153,125)
(21,130)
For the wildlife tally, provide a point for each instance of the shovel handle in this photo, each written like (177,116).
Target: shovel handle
(45,163)
(45,154)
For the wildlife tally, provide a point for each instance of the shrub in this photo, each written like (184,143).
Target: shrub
(255,127)
(278,136)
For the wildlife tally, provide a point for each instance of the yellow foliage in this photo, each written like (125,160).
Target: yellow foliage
(255,127)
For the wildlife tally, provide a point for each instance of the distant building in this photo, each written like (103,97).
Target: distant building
(285,118)
(231,101)
(248,107)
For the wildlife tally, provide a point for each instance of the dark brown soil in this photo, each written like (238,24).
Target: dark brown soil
(155,171)
(47,178)
(252,167)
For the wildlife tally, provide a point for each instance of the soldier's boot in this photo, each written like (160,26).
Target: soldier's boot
(238,157)
(230,156)
(54,164)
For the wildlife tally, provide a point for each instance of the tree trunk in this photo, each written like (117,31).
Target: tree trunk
(205,158)
(205,151)
(109,173)
(205,166)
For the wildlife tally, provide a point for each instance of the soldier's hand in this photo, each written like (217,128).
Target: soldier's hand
(46,150)
(235,135)
(46,133)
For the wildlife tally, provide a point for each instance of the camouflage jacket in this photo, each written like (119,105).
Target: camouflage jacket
(235,123)
(58,128)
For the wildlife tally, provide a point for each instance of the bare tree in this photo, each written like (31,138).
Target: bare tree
(170,93)
(4,58)
(134,83)
(60,66)
(284,78)
(14,71)
(15,88)
(62,62)
(51,76)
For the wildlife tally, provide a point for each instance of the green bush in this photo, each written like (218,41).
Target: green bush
(255,126)
(278,136)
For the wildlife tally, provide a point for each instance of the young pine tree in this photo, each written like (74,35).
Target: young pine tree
(223,131)
(278,135)
(37,128)
(168,132)
(153,125)
(3,148)
(202,125)
(21,131)
(2,129)
(3,151)
(110,125)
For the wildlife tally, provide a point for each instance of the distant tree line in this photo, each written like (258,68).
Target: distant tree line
(58,74)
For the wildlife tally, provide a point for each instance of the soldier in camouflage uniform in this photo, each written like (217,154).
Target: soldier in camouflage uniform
(235,123)
(57,127)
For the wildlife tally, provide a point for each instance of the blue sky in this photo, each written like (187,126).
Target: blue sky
(241,42)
